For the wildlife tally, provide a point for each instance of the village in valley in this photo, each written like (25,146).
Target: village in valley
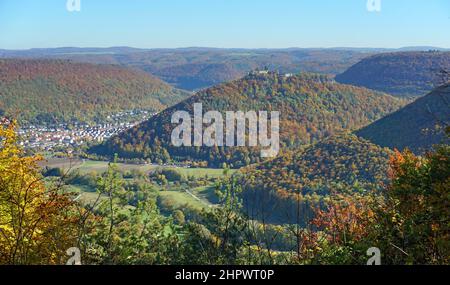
(51,137)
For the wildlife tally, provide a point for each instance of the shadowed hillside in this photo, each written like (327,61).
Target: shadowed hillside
(417,126)
(401,73)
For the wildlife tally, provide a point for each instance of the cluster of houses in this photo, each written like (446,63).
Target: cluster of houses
(63,136)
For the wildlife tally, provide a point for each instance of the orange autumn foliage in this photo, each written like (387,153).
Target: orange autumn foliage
(345,219)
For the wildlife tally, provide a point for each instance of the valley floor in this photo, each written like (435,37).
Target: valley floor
(171,196)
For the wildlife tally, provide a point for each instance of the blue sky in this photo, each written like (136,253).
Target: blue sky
(224,23)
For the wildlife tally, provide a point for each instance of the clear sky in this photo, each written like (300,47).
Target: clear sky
(224,23)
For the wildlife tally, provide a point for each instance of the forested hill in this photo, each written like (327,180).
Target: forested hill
(339,164)
(61,90)
(417,126)
(399,73)
(311,107)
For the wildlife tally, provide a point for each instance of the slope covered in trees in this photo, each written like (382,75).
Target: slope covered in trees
(311,107)
(342,164)
(60,90)
(400,73)
(418,126)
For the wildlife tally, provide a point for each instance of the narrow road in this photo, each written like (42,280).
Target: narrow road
(198,199)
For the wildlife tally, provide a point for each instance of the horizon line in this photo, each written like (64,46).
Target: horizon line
(229,48)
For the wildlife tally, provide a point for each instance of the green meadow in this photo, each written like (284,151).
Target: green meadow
(170,197)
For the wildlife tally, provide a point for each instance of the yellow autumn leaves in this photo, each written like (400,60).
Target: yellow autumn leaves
(33,226)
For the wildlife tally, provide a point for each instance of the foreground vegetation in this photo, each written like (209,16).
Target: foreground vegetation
(124,223)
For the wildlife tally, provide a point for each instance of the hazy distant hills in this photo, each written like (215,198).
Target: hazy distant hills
(60,90)
(338,164)
(197,68)
(400,73)
(198,75)
(311,107)
(417,126)
(211,67)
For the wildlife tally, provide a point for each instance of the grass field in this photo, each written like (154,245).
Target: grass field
(87,166)
(196,199)
(181,199)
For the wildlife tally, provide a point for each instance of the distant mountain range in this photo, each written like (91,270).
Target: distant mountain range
(417,126)
(44,52)
(197,68)
(408,74)
(311,107)
(60,91)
